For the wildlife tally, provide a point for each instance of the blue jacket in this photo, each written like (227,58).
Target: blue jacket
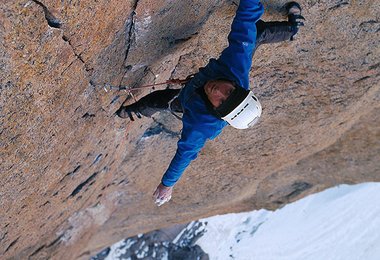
(199,124)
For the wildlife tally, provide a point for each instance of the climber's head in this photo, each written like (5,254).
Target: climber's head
(218,91)
(234,104)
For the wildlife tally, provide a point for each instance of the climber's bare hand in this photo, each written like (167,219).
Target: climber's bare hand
(162,194)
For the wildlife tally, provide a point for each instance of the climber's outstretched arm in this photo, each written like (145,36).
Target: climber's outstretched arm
(237,57)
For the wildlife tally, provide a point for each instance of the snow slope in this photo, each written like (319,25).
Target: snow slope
(340,223)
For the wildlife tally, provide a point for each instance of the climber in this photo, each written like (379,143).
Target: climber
(219,93)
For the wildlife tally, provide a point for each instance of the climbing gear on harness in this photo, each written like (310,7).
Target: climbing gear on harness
(241,110)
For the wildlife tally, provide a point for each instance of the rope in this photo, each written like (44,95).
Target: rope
(108,87)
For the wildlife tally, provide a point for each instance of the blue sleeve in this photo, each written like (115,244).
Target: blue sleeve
(191,142)
(237,57)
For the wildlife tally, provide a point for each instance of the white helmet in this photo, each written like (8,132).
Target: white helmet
(243,111)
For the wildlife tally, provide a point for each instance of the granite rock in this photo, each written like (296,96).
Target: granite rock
(75,179)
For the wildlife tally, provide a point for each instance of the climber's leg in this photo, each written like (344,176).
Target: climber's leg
(150,104)
(272,32)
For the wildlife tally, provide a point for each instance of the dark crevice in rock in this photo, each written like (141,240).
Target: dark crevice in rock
(340,4)
(370,26)
(114,99)
(123,181)
(70,173)
(108,185)
(375,66)
(130,26)
(158,129)
(84,254)
(15,137)
(81,186)
(361,79)
(92,83)
(178,63)
(78,55)
(180,40)
(88,115)
(71,63)
(97,159)
(175,67)
(81,59)
(3,236)
(50,18)
(292,192)
(46,203)
(298,188)
(11,244)
(128,68)
(77,109)
(55,241)
(37,251)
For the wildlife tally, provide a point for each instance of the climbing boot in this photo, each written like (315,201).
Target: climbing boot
(294,14)
(126,111)
(295,18)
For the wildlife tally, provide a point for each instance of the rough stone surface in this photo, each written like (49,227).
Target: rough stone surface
(75,179)
(175,242)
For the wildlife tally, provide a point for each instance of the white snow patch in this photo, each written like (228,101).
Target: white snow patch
(341,223)
(117,250)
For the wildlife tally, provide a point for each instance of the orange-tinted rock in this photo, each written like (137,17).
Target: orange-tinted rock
(74,178)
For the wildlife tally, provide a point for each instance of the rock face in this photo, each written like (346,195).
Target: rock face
(75,179)
(177,242)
